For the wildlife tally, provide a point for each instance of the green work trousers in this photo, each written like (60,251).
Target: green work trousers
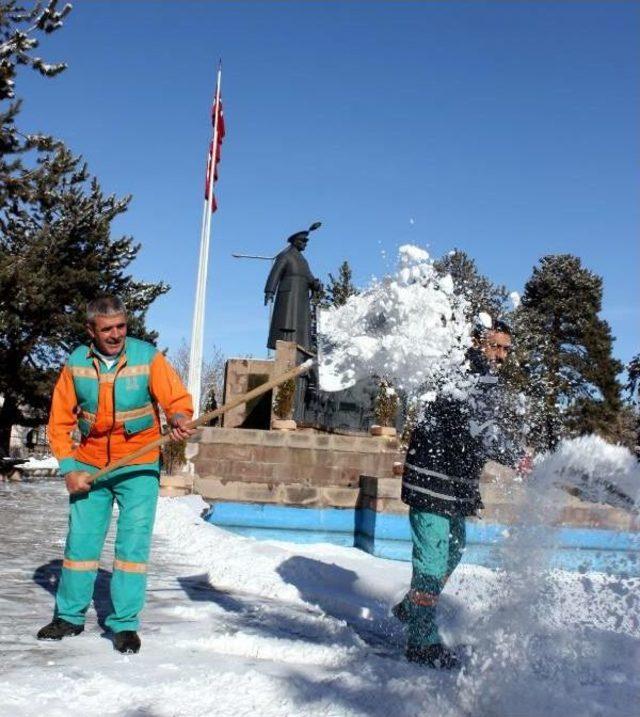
(438,544)
(135,490)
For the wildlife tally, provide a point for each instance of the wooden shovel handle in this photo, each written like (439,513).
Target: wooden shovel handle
(207,417)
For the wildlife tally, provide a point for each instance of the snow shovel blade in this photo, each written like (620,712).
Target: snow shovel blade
(330,378)
(593,489)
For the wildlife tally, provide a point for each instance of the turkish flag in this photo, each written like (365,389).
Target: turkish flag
(210,158)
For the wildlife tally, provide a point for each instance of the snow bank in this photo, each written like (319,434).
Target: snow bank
(179,521)
(408,328)
(37,464)
(237,627)
(543,642)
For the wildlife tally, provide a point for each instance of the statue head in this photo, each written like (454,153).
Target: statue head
(300,239)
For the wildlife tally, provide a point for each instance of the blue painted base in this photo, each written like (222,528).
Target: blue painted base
(387,536)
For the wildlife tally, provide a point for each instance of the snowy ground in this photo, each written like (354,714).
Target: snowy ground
(237,627)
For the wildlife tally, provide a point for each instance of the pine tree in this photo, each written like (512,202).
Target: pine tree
(633,383)
(632,390)
(481,293)
(564,353)
(336,293)
(340,288)
(19,30)
(56,250)
(56,253)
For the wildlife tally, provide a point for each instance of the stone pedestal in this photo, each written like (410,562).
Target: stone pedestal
(176,485)
(383,431)
(300,468)
(283,424)
(240,376)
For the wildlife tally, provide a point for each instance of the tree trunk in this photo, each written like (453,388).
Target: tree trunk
(8,414)
(553,362)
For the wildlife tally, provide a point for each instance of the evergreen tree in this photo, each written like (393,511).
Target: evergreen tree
(56,251)
(19,30)
(340,288)
(632,390)
(633,383)
(481,293)
(564,353)
(335,293)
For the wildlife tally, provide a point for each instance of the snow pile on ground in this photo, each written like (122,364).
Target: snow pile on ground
(38,464)
(238,627)
(598,471)
(408,328)
(543,642)
(180,522)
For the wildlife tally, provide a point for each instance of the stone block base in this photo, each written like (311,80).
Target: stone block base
(175,485)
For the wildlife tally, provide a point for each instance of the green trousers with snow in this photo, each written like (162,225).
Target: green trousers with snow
(438,544)
(135,490)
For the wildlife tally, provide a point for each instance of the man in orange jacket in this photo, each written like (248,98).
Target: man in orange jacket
(110,391)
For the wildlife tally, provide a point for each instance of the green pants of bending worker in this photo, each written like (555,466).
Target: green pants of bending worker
(135,490)
(438,544)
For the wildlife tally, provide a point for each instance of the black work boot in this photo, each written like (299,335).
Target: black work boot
(438,656)
(400,611)
(59,628)
(127,642)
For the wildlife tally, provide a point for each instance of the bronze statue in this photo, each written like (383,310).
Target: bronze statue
(291,282)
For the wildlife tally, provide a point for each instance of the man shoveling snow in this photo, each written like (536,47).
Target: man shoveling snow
(447,451)
(110,391)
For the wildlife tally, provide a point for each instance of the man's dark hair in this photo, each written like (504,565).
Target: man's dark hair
(502,327)
(499,325)
(105,306)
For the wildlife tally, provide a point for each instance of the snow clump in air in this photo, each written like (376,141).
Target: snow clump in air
(408,328)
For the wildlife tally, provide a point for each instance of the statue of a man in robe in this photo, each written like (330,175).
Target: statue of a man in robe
(291,282)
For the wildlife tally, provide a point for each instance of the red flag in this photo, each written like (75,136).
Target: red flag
(210,158)
(220,119)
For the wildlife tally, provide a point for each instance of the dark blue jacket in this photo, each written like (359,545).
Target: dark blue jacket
(454,439)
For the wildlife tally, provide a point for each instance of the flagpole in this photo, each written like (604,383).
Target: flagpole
(197,331)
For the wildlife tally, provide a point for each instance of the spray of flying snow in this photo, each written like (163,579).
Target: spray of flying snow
(515,299)
(519,629)
(408,328)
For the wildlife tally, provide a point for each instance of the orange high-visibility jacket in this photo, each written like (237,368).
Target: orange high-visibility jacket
(115,409)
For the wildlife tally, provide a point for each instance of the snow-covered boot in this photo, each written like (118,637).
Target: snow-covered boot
(437,656)
(59,628)
(127,642)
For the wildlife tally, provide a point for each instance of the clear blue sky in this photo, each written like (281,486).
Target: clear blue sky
(510,130)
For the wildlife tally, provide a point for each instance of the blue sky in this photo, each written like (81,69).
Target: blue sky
(509,130)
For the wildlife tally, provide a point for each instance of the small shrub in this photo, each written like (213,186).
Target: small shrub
(386,405)
(174,455)
(283,404)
